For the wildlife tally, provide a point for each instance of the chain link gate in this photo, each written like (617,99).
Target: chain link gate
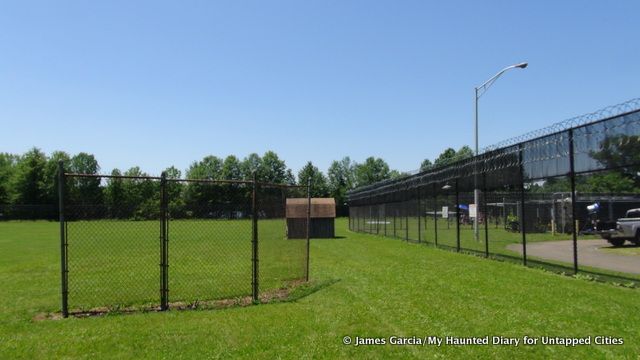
(180,241)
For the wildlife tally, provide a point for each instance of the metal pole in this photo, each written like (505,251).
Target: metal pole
(64,271)
(572,175)
(476,195)
(254,239)
(486,216)
(523,226)
(418,215)
(164,291)
(406,214)
(308,226)
(457,217)
(384,206)
(435,214)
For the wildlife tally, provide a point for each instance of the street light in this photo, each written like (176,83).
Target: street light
(480,90)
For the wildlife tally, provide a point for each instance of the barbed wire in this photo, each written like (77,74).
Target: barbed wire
(605,113)
(458,160)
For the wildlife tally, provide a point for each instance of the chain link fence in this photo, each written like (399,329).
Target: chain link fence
(157,242)
(558,199)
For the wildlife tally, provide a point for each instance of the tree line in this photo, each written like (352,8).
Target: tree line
(31,179)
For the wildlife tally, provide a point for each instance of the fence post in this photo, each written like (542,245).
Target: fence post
(457,218)
(486,215)
(405,208)
(435,214)
(308,226)
(254,239)
(64,271)
(522,206)
(164,276)
(572,174)
(377,219)
(384,207)
(419,215)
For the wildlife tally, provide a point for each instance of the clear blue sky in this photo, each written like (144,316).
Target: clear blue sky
(165,83)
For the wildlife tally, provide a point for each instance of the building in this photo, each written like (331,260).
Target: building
(323,214)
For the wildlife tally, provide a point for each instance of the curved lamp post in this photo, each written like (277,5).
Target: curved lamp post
(480,90)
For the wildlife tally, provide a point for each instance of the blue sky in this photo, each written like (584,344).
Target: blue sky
(157,83)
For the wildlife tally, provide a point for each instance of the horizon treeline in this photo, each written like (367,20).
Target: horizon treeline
(31,178)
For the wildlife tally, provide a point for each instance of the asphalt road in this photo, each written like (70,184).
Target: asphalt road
(589,254)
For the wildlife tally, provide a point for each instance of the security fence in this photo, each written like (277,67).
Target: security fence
(553,199)
(159,242)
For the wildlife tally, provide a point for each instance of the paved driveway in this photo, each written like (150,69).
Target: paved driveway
(589,254)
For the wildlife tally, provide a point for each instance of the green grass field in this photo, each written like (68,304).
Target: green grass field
(375,286)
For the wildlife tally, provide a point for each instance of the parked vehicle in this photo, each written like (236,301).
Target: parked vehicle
(627,228)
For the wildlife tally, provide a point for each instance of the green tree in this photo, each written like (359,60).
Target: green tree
(84,190)
(371,171)
(28,181)
(141,196)
(51,174)
(319,186)
(445,158)
(464,152)
(273,169)
(251,164)
(426,165)
(114,196)
(7,170)
(341,178)
(174,192)
(231,168)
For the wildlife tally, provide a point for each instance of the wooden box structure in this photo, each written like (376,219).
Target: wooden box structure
(323,214)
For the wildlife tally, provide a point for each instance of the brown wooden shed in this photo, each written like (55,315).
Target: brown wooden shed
(323,214)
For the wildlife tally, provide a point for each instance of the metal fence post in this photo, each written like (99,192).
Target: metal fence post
(435,215)
(418,215)
(572,175)
(308,226)
(457,218)
(405,209)
(522,206)
(254,240)
(64,271)
(486,215)
(384,207)
(164,276)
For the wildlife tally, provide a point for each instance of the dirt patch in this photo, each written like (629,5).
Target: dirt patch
(272,296)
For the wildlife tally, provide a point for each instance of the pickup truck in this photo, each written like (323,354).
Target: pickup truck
(627,228)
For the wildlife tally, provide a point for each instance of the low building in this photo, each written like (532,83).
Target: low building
(323,214)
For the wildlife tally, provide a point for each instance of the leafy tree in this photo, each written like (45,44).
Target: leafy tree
(319,186)
(426,165)
(7,170)
(273,169)
(28,181)
(201,196)
(141,196)
(464,152)
(371,171)
(341,178)
(84,190)
(251,164)
(51,174)
(446,157)
(114,196)
(231,168)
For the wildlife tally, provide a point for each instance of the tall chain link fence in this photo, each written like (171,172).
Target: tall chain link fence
(157,242)
(563,199)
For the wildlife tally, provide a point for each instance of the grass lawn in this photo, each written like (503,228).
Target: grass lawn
(630,250)
(376,286)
